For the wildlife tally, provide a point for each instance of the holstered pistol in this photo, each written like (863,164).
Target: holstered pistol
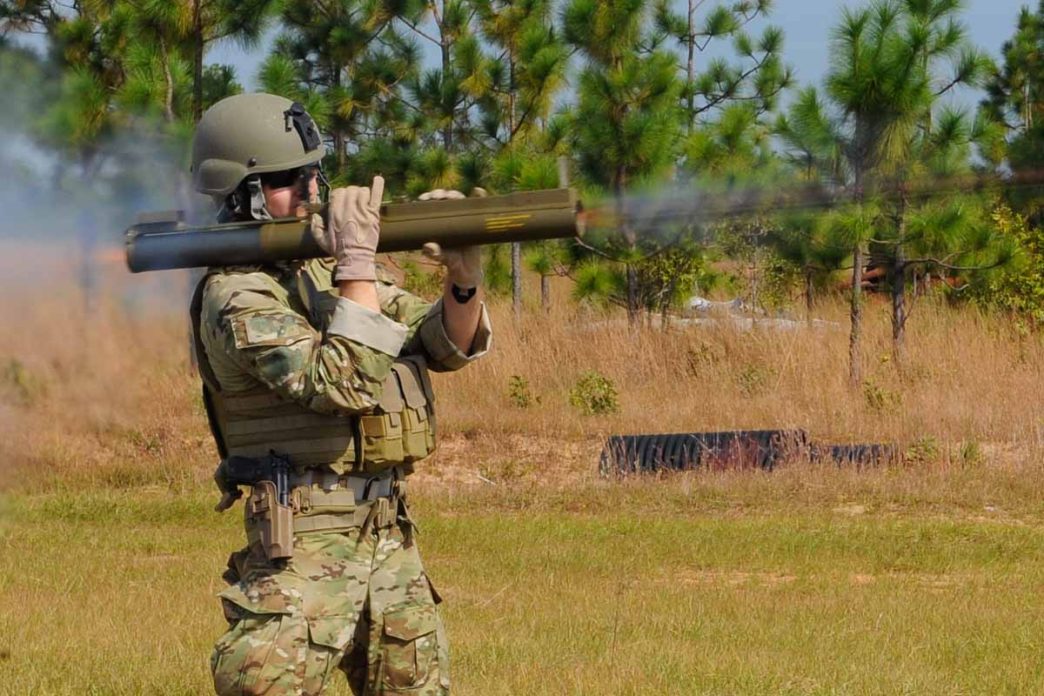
(274,520)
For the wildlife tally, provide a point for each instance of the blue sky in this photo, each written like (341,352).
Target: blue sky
(806,25)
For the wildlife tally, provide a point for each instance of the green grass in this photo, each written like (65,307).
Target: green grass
(883,583)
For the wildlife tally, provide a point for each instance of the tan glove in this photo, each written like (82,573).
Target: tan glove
(441,195)
(463,265)
(351,229)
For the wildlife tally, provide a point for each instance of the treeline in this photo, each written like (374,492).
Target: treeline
(638,96)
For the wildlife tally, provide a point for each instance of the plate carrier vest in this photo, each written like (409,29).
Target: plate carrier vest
(253,423)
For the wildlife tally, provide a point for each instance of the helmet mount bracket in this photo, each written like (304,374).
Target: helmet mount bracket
(297,118)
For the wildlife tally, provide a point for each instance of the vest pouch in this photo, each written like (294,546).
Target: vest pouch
(402,427)
(419,414)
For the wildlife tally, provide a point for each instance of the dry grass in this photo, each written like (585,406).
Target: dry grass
(112,396)
(968,377)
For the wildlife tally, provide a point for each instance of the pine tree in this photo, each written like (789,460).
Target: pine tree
(626,124)
(526,70)
(1015,99)
(344,60)
(756,76)
(211,21)
(882,123)
(446,95)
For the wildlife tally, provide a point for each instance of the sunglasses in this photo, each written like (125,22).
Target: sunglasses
(299,176)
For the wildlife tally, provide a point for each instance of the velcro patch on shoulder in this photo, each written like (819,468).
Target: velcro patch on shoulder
(280,329)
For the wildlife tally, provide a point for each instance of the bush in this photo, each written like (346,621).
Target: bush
(420,281)
(754,380)
(18,385)
(923,450)
(879,399)
(594,394)
(701,355)
(519,393)
(969,453)
(1019,286)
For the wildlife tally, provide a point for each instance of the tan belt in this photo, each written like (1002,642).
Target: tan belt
(361,486)
(377,513)
(326,501)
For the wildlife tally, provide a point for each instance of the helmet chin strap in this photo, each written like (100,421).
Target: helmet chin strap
(324,184)
(258,208)
(235,206)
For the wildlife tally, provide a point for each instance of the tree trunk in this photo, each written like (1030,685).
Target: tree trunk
(898,281)
(665,306)
(168,96)
(855,367)
(690,66)
(338,135)
(88,235)
(516,279)
(447,67)
(754,286)
(511,101)
(855,357)
(625,231)
(516,247)
(198,45)
(632,296)
(339,146)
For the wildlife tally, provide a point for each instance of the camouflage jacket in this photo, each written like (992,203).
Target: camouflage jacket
(288,329)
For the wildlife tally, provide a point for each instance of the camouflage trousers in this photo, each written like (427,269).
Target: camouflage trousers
(356,602)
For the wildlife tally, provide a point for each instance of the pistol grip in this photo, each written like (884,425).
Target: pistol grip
(228,499)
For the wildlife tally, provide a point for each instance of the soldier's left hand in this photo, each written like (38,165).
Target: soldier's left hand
(464,264)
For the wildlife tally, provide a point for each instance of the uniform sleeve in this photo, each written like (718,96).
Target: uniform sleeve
(426,332)
(343,372)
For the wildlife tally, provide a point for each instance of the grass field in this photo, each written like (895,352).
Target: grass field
(803,582)
(919,578)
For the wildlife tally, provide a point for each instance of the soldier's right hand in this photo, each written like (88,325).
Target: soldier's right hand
(350,230)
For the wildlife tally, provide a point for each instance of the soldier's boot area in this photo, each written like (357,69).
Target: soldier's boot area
(358,602)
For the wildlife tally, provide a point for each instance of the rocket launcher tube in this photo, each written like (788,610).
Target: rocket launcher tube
(162,241)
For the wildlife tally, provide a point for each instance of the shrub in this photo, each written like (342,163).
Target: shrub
(700,355)
(519,393)
(20,385)
(754,380)
(879,399)
(969,453)
(594,394)
(420,281)
(1017,287)
(922,450)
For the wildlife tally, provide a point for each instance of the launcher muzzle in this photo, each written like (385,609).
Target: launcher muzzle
(161,241)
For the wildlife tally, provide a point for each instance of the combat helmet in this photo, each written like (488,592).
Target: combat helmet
(245,136)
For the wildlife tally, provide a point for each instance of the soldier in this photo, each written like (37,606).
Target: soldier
(319,370)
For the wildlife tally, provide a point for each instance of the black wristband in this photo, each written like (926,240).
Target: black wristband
(462,295)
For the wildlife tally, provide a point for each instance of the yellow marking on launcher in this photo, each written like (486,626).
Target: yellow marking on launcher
(507,222)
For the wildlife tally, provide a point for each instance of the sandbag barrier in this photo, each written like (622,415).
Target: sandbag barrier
(730,449)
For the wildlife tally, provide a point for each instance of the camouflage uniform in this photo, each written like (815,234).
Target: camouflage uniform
(355,595)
